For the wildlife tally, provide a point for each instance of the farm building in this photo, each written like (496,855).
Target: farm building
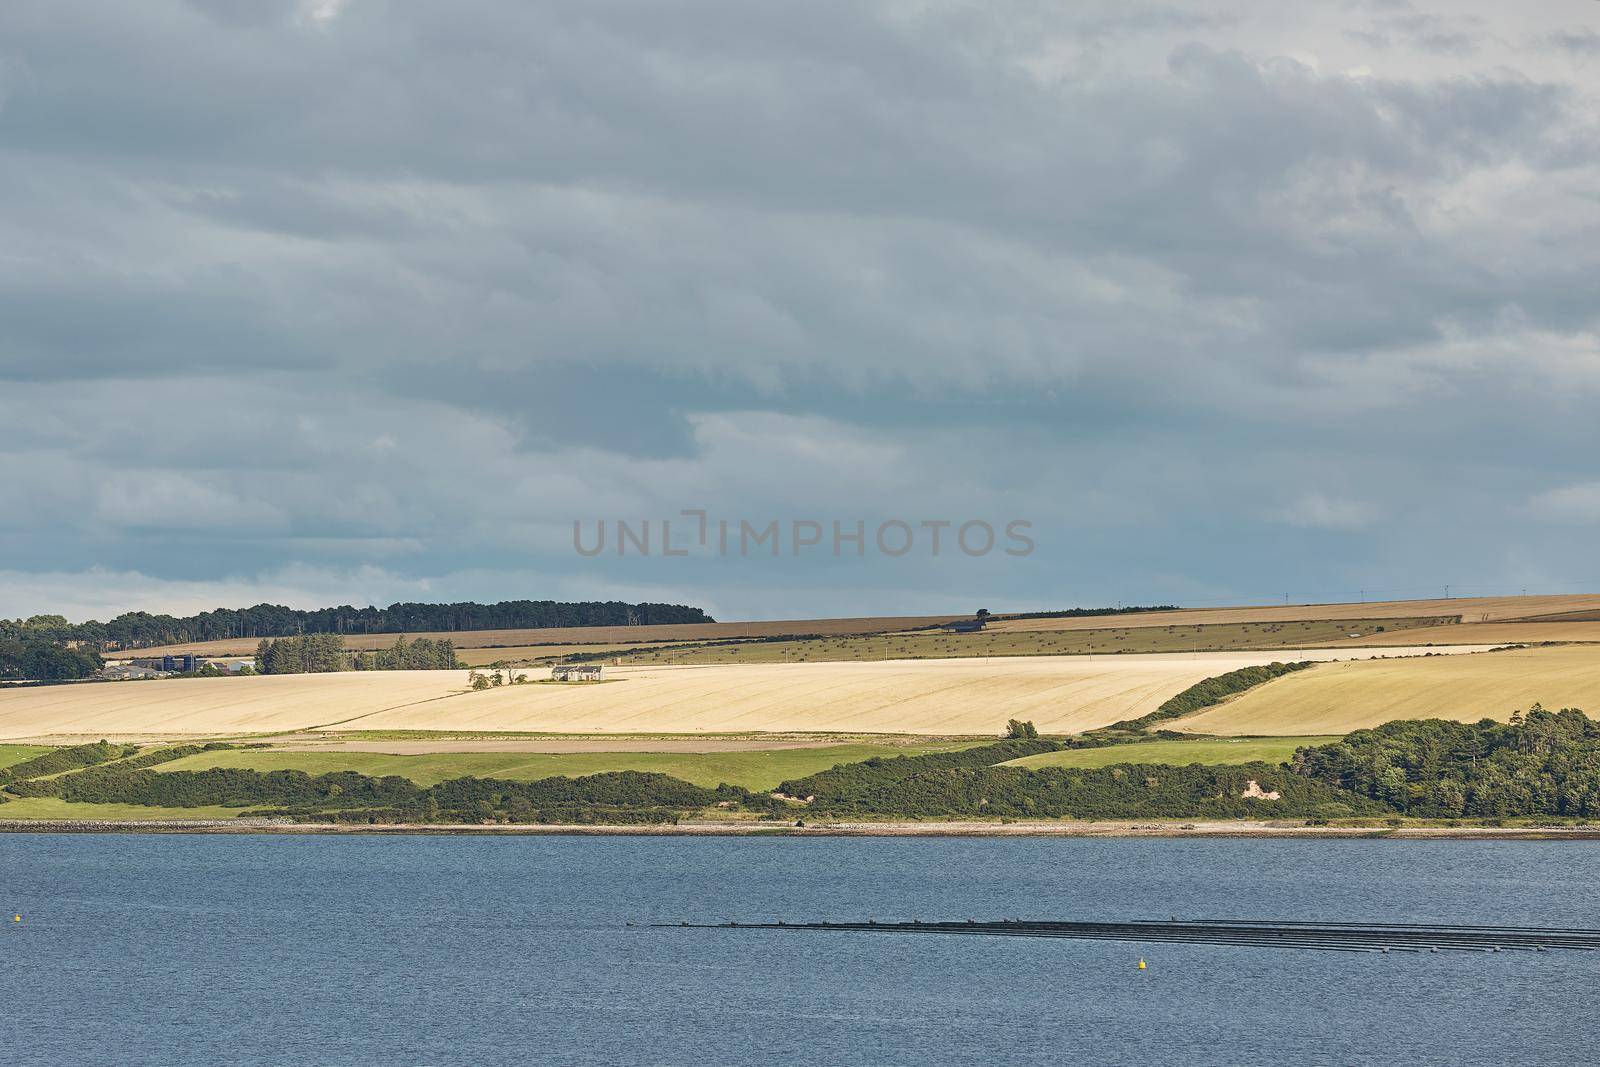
(575,672)
(123,672)
(183,661)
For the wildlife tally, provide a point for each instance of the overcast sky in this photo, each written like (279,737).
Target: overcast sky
(322,301)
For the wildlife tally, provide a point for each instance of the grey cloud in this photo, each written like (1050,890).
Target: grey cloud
(417,285)
(1569,503)
(1582,41)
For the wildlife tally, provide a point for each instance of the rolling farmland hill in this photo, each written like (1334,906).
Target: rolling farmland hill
(1339,697)
(1268,626)
(591,635)
(937,644)
(937,697)
(1466,609)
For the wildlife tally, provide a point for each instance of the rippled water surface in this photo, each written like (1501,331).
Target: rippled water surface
(418,950)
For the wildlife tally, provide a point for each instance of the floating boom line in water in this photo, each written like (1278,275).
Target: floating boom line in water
(1261,933)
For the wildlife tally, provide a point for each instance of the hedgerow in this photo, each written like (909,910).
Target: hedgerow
(65,759)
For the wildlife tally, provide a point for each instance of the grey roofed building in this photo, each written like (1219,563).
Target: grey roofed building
(124,672)
(575,672)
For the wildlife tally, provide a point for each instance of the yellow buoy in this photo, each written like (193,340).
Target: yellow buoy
(16,918)
(1141,963)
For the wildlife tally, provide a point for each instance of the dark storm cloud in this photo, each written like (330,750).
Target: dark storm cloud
(414,285)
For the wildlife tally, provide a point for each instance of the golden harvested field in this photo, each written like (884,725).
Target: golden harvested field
(1340,697)
(1468,609)
(590,635)
(209,706)
(938,697)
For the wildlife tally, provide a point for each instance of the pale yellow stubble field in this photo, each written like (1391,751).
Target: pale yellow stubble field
(959,696)
(1336,698)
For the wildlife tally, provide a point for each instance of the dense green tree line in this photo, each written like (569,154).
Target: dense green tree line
(423,654)
(969,783)
(324,653)
(1123,791)
(1541,763)
(117,784)
(141,629)
(297,792)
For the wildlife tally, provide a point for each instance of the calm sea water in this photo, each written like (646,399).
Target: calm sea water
(434,950)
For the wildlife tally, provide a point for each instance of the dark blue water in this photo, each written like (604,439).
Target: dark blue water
(424,950)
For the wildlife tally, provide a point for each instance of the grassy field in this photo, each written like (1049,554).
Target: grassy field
(1224,637)
(751,769)
(1178,753)
(56,808)
(1341,697)
(10,754)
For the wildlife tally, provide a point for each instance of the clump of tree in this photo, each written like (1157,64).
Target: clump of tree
(310,654)
(322,653)
(1018,729)
(1541,763)
(42,627)
(423,654)
(36,649)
